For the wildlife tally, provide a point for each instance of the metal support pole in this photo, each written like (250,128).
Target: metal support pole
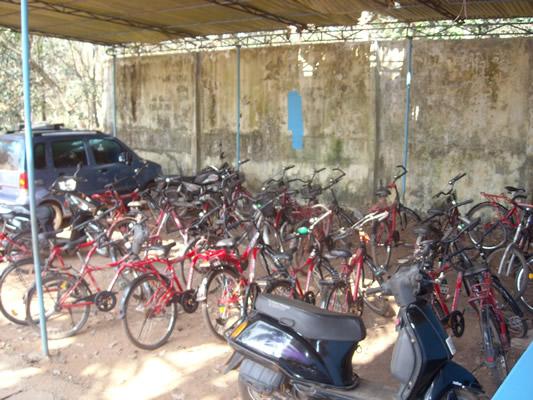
(408,79)
(114,79)
(238,150)
(28,138)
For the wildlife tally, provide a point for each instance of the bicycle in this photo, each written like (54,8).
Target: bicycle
(515,262)
(149,307)
(399,223)
(348,293)
(496,216)
(69,294)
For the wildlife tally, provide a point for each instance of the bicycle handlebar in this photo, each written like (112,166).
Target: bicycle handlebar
(404,171)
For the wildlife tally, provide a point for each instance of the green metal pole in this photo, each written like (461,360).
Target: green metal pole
(28,139)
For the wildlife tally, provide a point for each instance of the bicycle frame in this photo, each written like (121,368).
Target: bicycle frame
(512,217)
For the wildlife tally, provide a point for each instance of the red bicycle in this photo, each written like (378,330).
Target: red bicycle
(396,228)
(499,216)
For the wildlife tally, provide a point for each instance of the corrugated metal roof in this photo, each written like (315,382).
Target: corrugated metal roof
(126,21)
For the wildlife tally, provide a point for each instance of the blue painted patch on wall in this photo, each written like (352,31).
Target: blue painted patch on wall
(296,120)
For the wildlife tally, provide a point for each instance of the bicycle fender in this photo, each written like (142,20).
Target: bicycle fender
(122,305)
(451,376)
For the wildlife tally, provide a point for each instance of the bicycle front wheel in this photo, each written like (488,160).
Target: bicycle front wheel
(15,282)
(66,305)
(149,316)
(495,358)
(524,284)
(222,300)
(491,231)
(340,299)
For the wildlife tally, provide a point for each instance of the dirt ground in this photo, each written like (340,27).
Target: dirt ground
(100,362)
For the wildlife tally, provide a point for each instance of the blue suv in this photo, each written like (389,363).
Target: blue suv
(58,151)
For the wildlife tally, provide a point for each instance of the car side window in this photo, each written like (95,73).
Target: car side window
(39,158)
(105,151)
(69,153)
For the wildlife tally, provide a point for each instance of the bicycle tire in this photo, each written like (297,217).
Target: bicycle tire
(185,265)
(378,303)
(56,307)
(506,263)
(283,288)
(495,358)
(340,299)
(378,239)
(15,281)
(23,239)
(120,233)
(151,292)
(524,283)
(490,215)
(406,221)
(222,311)
(508,306)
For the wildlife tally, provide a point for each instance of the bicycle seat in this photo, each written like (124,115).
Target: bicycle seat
(513,189)
(436,211)
(475,271)
(382,192)
(165,249)
(338,253)
(137,204)
(282,256)
(228,242)
(312,322)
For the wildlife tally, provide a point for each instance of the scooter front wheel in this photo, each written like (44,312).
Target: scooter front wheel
(464,394)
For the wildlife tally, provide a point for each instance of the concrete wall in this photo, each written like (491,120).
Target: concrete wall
(472,110)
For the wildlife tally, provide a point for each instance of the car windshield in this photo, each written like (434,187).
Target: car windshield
(11,155)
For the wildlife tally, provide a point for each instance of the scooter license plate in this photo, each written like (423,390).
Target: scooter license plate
(451,345)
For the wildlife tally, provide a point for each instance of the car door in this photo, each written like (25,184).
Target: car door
(67,154)
(110,160)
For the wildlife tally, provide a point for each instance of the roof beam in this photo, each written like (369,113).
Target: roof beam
(240,6)
(68,10)
(436,6)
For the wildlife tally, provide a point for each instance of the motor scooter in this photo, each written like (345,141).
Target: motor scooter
(286,349)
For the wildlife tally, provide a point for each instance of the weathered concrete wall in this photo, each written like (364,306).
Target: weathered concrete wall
(472,110)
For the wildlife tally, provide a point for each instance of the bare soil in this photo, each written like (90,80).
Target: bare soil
(100,362)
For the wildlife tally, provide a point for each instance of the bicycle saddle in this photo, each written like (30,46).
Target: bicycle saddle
(165,249)
(338,253)
(228,242)
(382,192)
(475,270)
(513,189)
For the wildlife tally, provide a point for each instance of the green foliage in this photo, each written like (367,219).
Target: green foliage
(66,81)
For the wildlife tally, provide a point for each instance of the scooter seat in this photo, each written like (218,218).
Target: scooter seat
(311,322)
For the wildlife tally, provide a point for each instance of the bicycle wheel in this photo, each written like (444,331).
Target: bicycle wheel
(343,219)
(510,309)
(198,244)
(20,245)
(121,234)
(149,316)
(66,307)
(380,245)
(493,348)
(506,263)
(490,229)
(223,299)
(340,299)
(524,284)
(371,279)
(283,288)
(406,221)
(15,281)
